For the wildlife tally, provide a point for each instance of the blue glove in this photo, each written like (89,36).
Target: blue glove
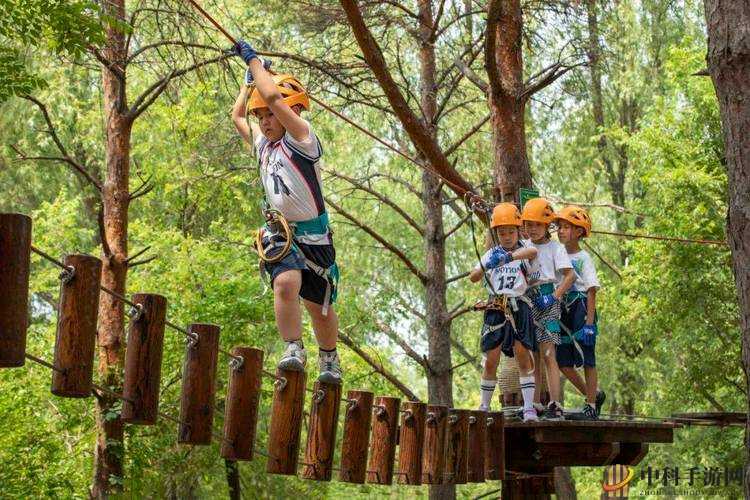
(496,258)
(545,301)
(588,334)
(245,51)
(249,75)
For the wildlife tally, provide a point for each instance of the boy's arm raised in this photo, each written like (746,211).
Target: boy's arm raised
(247,130)
(291,121)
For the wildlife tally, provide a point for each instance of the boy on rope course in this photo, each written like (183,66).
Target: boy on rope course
(551,267)
(296,244)
(579,318)
(508,325)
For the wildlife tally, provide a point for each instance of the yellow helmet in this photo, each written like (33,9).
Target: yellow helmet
(290,88)
(505,214)
(576,216)
(538,210)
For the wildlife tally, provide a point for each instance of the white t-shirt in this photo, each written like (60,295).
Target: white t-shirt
(550,261)
(583,266)
(290,174)
(509,280)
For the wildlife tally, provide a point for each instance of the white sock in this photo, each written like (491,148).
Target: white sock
(487,388)
(527,391)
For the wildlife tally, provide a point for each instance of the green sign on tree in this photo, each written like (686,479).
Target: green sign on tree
(525,195)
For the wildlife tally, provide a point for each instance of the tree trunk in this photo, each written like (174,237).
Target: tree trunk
(728,24)
(108,455)
(507,106)
(440,378)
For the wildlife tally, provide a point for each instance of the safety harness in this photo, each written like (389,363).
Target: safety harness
(286,236)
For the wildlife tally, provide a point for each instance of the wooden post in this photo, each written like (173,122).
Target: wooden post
(357,422)
(199,385)
(15,254)
(411,443)
(530,488)
(321,434)
(477,446)
(456,456)
(383,444)
(143,355)
(243,398)
(433,457)
(76,326)
(494,462)
(286,422)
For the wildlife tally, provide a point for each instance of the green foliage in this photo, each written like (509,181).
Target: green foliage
(28,27)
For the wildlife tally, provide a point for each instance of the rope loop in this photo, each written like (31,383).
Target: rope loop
(319,396)
(236,362)
(67,274)
(280,383)
(379,410)
(136,312)
(192,340)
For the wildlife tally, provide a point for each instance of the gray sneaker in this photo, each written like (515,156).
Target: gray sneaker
(330,368)
(294,357)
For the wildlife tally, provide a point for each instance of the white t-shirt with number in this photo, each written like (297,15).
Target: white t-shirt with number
(509,280)
(583,266)
(550,261)
(290,174)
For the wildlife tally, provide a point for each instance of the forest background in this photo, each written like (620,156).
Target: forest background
(644,152)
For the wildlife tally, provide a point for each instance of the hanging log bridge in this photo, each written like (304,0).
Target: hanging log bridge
(383,438)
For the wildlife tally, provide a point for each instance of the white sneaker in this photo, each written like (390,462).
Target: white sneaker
(529,415)
(330,368)
(294,357)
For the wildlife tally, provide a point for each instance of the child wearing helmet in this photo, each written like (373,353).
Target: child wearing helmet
(579,319)
(289,156)
(550,277)
(508,325)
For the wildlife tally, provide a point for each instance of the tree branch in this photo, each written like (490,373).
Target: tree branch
(390,377)
(547,78)
(398,253)
(77,166)
(152,93)
(457,277)
(359,185)
(386,329)
(414,127)
(452,149)
(494,12)
(463,352)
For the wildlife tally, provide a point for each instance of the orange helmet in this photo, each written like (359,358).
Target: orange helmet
(290,88)
(538,210)
(505,214)
(576,216)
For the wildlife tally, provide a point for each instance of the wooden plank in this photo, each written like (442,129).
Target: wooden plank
(433,459)
(456,449)
(357,423)
(590,432)
(494,462)
(564,455)
(321,436)
(477,446)
(384,439)
(286,422)
(411,443)
(199,385)
(76,327)
(631,453)
(243,398)
(15,257)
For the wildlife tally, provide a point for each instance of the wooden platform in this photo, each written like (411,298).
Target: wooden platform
(535,447)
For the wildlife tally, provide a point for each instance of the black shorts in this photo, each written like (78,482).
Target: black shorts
(573,318)
(505,336)
(314,286)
